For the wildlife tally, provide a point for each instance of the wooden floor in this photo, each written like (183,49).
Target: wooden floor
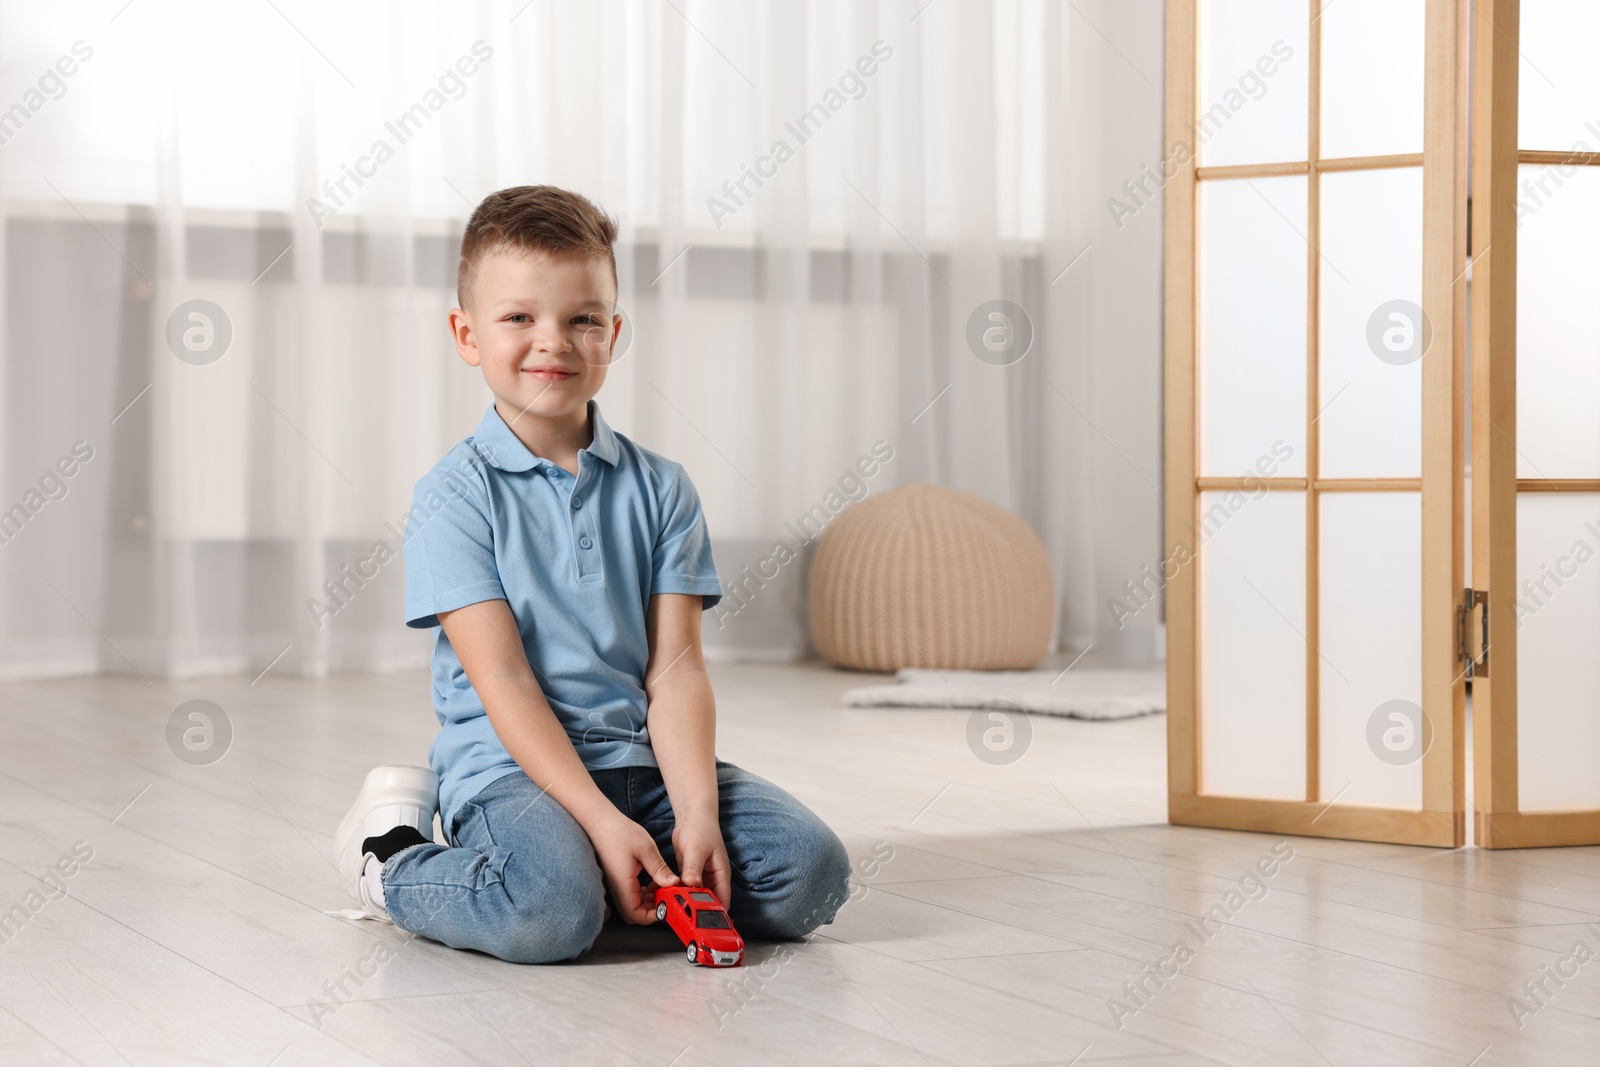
(1008,910)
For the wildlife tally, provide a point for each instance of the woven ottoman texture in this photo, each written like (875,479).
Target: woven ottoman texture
(927,576)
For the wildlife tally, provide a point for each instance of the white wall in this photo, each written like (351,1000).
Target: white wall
(1126,74)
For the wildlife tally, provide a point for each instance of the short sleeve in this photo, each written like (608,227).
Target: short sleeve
(449,547)
(681,559)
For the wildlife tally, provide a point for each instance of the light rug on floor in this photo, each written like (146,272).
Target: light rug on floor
(1080,693)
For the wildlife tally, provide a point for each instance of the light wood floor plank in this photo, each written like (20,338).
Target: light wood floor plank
(1016,903)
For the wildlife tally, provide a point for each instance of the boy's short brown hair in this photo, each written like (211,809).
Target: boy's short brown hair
(534,218)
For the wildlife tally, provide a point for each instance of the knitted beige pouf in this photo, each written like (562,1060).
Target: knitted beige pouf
(926,576)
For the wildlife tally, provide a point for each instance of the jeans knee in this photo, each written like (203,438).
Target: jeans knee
(832,877)
(556,926)
(820,887)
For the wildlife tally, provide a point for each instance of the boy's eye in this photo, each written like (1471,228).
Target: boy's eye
(519,317)
(587,320)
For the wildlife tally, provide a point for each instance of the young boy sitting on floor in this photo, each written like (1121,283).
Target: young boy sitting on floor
(566,569)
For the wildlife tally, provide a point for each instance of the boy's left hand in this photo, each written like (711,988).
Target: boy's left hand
(702,857)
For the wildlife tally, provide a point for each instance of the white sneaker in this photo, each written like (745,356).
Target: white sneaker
(391,796)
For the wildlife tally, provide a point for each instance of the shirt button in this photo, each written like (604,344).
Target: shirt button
(584,542)
(577,502)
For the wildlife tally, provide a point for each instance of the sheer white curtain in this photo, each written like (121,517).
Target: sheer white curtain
(813,196)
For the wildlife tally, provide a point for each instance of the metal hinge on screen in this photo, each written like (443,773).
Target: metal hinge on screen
(1477,666)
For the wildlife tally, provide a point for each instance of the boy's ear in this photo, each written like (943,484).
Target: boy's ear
(461,334)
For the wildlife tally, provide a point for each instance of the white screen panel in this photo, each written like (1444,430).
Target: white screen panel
(1372,333)
(1558,87)
(1373,55)
(1252,650)
(1558,644)
(1253,68)
(1558,330)
(1252,308)
(1370,637)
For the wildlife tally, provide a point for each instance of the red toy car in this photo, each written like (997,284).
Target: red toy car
(701,923)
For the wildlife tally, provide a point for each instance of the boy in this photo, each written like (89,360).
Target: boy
(566,568)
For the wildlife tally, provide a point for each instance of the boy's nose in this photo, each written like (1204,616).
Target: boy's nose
(552,339)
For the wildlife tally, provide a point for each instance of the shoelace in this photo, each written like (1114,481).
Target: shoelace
(368,909)
(356,914)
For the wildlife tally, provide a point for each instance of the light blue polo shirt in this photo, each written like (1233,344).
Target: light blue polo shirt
(577,559)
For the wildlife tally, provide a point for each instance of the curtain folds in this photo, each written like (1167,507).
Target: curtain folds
(229,249)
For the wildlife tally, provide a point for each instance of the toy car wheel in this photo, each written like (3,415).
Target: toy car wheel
(694,952)
(661,912)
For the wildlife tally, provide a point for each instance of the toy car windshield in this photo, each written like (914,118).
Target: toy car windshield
(701,897)
(710,919)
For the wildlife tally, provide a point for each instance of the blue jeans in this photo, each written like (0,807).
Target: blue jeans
(523,882)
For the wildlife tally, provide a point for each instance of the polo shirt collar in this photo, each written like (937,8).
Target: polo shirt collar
(604,444)
(501,448)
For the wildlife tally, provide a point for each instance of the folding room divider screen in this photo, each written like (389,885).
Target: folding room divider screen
(1318,620)
(1321,636)
(1536,421)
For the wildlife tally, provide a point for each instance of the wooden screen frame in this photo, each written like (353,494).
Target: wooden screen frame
(1441,821)
(1499,820)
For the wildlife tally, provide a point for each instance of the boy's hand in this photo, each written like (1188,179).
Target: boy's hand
(683,731)
(624,849)
(702,857)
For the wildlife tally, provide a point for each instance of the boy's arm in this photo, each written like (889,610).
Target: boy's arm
(485,638)
(682,719)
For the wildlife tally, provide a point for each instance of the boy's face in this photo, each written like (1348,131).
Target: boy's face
(542,329)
